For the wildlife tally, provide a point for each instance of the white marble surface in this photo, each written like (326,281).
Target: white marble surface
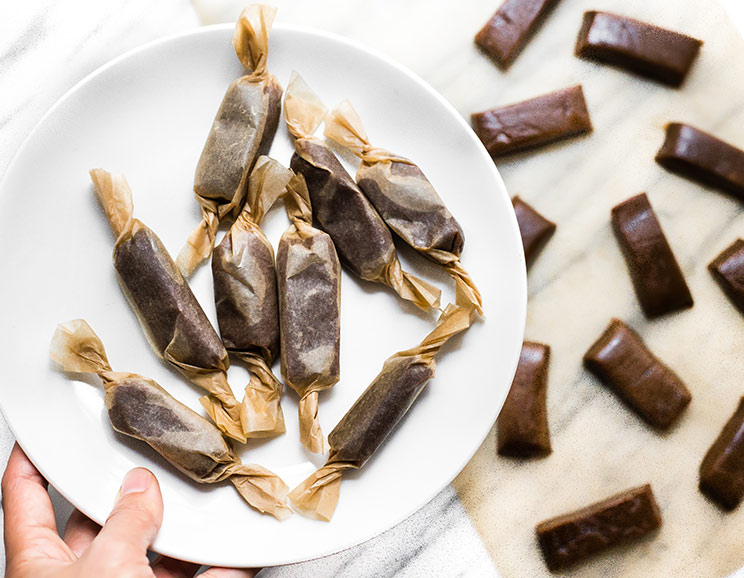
(46,46)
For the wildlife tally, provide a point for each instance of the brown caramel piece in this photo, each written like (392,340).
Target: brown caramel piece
(309,279)
(722,470)
(701,157)
(657,279)
(535,229)
(362,239)
(405,199)
(621,360)
(139,408)
(656,53)
(511,27)
(523,423)
(572,538)
(242,130)
(728,270)
(373,417)
(170,315)
(533,123)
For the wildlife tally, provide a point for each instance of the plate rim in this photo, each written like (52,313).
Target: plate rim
(502,191)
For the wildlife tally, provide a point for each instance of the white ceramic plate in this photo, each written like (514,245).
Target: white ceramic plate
(147,114)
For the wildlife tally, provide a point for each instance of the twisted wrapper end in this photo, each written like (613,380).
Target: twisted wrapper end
(453,320)
(225,415)
(311,435)
(200,244)
(77,348)
(251,37)
(266,183)
(466,293)
(297,200)
(261,412)
(262,489)
(422,294)
(343,126)
(115,196)
(317,496)
(303,109)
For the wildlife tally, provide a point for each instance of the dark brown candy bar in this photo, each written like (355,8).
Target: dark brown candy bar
(375,414)
(141,409)
(535,229)
(245,295)
(657,278)
(662,55)
(362,239)
(722,470)
(701,157)
(511,27)
(309,279)
(405,199)
(621,360)
(572,538)
(532,123)
(371,419)
(728,271)
(523,423)
(172,319)
(242,130)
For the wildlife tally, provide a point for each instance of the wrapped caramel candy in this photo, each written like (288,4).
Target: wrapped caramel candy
(362,239)
(171,317)
(139,408)
(245,295)
(405,199)
(374,415)
(243,129)
(309,278)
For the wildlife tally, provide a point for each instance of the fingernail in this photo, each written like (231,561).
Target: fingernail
(135,482)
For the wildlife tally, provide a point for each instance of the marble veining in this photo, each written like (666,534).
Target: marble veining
(576,284)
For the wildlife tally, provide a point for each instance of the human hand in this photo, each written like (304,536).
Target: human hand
(33,549)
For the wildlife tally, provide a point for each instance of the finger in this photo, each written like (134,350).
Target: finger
(230,573)
(29,516)
(80,532)
(133,523)
(169,568)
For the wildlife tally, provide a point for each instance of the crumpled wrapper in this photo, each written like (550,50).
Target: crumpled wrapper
(139,408)
(405,199)
(243,129)
(246,298)
(362,239)
(309,278)
(171,317)
(374,415)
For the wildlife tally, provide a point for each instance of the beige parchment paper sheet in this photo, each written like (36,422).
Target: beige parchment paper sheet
(580,281)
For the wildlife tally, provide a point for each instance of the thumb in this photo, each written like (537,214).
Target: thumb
(135,520)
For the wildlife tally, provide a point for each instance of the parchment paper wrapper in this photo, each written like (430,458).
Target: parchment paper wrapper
(405,199)
(362,239)
(246,299)
(171,317)
(139,408)
(374,415)
(243,129)
(309,278)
